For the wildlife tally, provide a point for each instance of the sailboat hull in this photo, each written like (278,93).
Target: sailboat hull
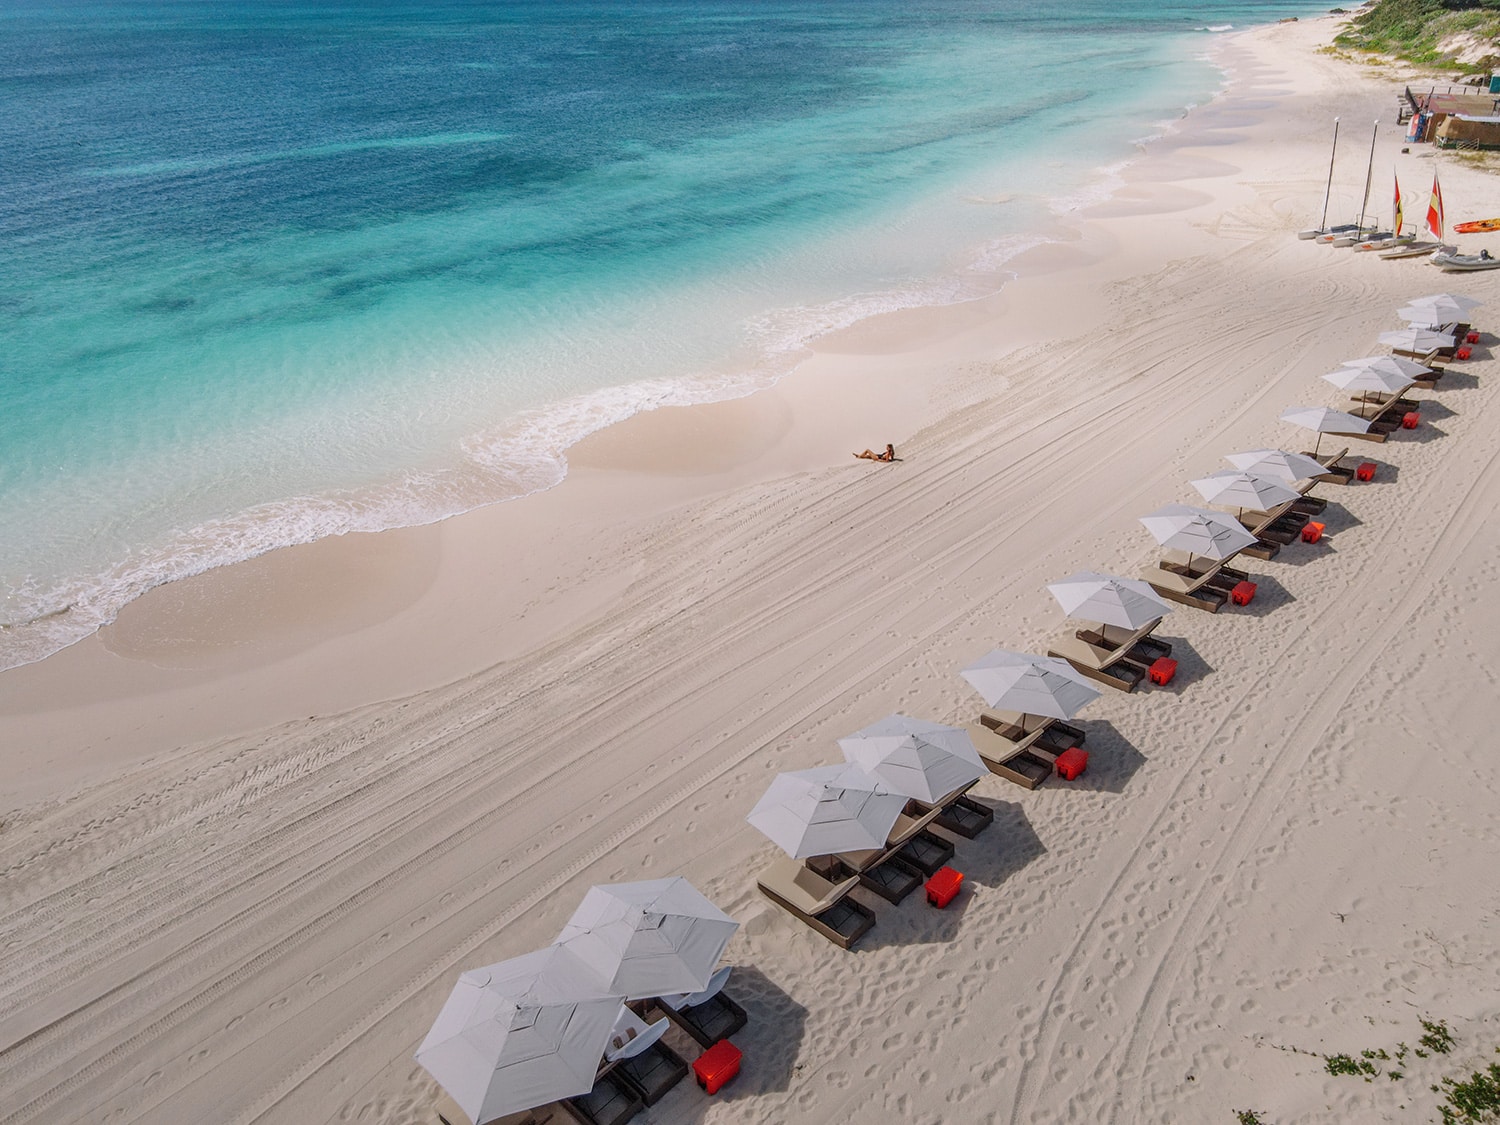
(1414,250)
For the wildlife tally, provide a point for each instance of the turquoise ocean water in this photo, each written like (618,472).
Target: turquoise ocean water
(275,270)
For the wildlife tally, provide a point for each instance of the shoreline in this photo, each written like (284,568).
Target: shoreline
(252,624)
(1254,858)
(473,482)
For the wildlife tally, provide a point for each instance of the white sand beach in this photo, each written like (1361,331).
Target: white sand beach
(252,831)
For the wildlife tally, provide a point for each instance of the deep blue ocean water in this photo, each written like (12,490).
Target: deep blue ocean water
(278,270)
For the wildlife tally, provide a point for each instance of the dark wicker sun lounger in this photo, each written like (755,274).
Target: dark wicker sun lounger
(1107,664)
(1140,648)
(1027,765)
(965,817)
(926,851)
(823,904)
(1273,530)
(610,1102)
(1334,472)
(1177,584)
(716,1018)
(892,880)
(449,1113)
(651,1073)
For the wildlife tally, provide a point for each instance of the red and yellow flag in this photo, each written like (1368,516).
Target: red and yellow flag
(1396,225)
(1435,210)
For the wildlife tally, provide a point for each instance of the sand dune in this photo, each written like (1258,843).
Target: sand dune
(1288,850)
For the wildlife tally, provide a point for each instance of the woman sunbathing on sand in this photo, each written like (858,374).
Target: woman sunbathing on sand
(871,455)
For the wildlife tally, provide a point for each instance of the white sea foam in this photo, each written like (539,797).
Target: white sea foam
(523,455)
(1107,179)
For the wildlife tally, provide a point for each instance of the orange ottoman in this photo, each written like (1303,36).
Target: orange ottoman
(717,1065)
(944,885)
(1072,762)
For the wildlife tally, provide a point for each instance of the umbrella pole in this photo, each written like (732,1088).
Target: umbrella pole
(1316,444)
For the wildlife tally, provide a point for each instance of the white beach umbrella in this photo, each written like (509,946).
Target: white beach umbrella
(1446,307)
(650,938)
(1390,365)
(915,758)
(1368,379)
(1240,488)
(1035,685)
(1198,531)
(1324,420)
(1419,340)
(1277,463)
(826,810)
(520,1033)
(1423,316)
(1465,304)
(1126,602)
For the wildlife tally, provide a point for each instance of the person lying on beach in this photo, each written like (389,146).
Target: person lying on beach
(888,455)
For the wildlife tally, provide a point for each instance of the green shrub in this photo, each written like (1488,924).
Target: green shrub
(1475,1099)
(1412,29)
(1436,1037)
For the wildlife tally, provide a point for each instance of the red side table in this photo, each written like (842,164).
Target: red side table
(1243,593)
(1366,470)
(1312,531)
(1162,669)
(1411,420)
(717,1065)
(1463,353)
(944,885)
(1072,762)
